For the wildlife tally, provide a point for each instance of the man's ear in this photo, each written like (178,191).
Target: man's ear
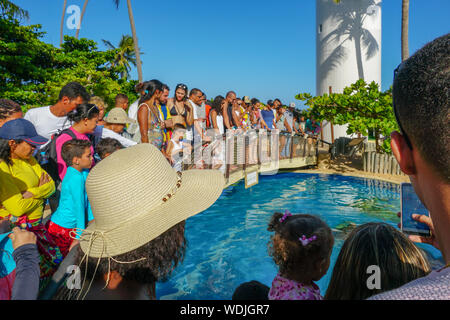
(403,153)
(65,100)
(114,279)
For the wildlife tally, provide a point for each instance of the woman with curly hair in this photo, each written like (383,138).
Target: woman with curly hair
(155,261)
(301,247)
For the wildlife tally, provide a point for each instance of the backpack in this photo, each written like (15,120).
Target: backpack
(47,157)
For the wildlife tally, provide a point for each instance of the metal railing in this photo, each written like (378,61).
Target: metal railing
(252,150)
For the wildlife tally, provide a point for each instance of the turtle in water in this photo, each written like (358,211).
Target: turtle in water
(343,228)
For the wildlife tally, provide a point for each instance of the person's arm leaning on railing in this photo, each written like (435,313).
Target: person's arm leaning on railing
(189,115)
(143,116)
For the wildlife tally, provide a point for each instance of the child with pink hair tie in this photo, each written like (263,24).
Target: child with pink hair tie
(301,247)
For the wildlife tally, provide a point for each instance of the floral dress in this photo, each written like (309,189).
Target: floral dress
(285,289)
(155,136)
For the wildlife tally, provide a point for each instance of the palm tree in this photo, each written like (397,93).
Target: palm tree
(81,17)
(125,55)
(135,39)
(405,26)
(7,8)
(62,23)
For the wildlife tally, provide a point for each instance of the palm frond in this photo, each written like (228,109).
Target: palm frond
(7,8)
(369,43)
(108,44)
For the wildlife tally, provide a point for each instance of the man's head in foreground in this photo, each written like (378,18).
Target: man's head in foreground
(421,92)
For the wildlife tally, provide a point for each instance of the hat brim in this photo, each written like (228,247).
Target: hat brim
(199,190)
(36,141)
(126,121)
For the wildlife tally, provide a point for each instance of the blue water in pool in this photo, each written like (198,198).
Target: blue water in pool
(227,244)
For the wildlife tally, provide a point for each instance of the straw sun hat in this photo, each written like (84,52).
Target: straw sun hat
(136,196)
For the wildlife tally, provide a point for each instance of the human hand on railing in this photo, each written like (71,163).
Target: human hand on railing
(419,239)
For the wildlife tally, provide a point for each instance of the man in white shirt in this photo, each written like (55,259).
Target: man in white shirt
(133,109)
(49,120)
(195,100)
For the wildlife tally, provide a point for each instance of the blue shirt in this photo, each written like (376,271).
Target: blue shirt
(7,263)
(74,210)
(310,126)
(268,117)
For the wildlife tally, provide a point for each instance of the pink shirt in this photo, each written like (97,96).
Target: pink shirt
(62,167)
(285,289)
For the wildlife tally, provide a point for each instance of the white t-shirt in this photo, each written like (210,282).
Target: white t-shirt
(107,133)
(45,122)
(133,109)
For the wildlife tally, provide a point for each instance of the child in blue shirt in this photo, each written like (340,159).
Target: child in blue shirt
(74,210)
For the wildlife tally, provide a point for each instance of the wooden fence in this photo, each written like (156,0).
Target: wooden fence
(380,163)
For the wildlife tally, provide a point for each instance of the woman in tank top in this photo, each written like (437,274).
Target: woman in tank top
(180,111)
(216,116)
(150,125)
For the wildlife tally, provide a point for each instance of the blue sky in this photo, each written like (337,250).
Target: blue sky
(259,48)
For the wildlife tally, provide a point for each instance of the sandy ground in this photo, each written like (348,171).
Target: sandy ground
(349,167)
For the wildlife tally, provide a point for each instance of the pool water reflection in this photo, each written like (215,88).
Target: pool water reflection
(227,244)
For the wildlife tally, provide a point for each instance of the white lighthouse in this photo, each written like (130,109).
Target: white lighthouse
(348,48)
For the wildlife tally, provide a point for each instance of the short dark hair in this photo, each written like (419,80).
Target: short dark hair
(8,108)
(195,91)
(107,145)
(254,101)
(230,92)
(73,148)
(165,87)
(421,91)
(73,90)
(252,290)
(121,96)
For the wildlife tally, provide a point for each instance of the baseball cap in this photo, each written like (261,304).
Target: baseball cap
(21,129)
(246,99)
(118,115)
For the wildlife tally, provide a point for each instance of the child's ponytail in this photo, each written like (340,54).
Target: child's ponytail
(277,219)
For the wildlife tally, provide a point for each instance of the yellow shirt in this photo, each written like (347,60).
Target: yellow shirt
(15,179)
(166,132)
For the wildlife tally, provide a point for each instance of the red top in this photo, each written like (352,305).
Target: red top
(208,109)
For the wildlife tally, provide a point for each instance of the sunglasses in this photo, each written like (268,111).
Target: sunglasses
(397,118)
(182,86)
(95,108)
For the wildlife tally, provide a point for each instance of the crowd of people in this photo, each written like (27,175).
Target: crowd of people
(118,197)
